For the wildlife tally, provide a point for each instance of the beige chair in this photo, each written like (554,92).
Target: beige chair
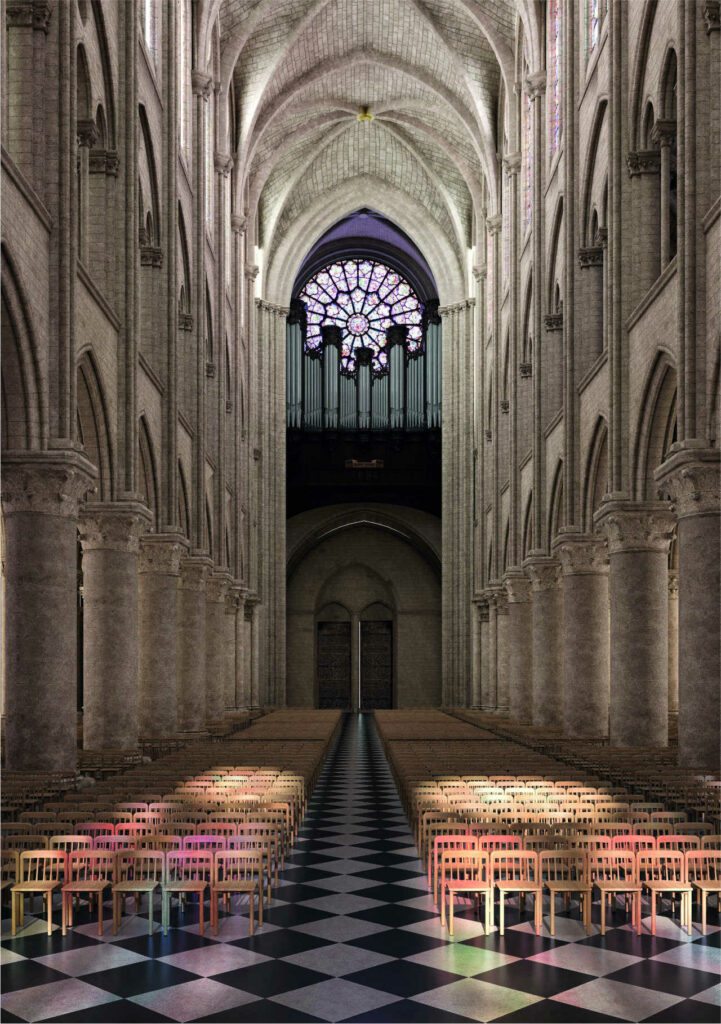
(566,872)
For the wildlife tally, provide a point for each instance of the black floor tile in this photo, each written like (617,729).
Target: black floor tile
(397,943)
(688,1011)
(283,942)
(393,916)
(533,977)
(270,978)
(654,974)
(405,1010)
(260,1011)
(27,974)
(402,978)
(135,979)
(555,1013)
(120,1011)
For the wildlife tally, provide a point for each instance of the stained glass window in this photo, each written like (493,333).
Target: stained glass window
(528,157)
(490,298)
(364,298)
(555,56)
(593,23)
(506,230)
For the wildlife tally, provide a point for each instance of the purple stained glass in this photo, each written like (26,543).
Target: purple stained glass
(555,57)
(528,147)
(364,298)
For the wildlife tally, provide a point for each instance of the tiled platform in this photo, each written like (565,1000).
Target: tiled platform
(354,936)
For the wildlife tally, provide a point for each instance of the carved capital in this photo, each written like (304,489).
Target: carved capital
(161,553)
(672,583)
(41,15)
(663,133)
(151,256)
(581,554)
(512,163)
(185,322)
(194,573)
(113,526)
(488,434)
(494,224)
(112,163)
(51,483)
(505,405)
(590,256)
(217,586)
(691,477)
(251,601)
(251,271)
(544,573)
(518,587)
(553,321)
(33,14)
(535,84)
(644,161)
(238,223)
(525,369)
(480,273)
(712,16)
(202,84)
(223,163)
(87,132)
(484,614)
(234,599)
(97,161)
(632,526)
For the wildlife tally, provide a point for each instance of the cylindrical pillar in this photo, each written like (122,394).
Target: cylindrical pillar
(691,475)
(191,643)
(484,632)
(216,589)
(489,683)
(242,677)
(252,666)
(475,694)
(520,666)
(502,653)
(586,687)
(110,537)
(673,642)
(230,644)
(638,542)
(40,500)
(158,676)
(546,618)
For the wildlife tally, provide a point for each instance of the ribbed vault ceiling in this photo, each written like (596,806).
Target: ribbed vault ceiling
(430,71)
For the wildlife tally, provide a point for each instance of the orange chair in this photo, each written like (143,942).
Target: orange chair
(186,871)
(443,844)
(91,872)
(633,842)
(662,871)
(566,872)
(137,872)
(614,871)
(70,843)
(41,871)
(237,871)
(703,871)
(678,842)
(466,872)
(516,871)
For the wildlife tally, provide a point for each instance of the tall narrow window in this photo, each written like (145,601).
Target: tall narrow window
(506,229)
(555,56)
(183,66)
(594,16)
(527,158)
(209,161)
(490,298)
(150,27)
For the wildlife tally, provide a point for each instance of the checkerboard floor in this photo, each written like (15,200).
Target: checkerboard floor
(353,936)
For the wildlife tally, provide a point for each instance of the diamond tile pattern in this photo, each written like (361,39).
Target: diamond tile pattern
(352,935)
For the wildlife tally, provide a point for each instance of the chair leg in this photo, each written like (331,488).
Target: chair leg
(653,912)
(637,900)
(553,920)
(201,913)
(100,913)
(260,904)
(50,913)
(214,900)
(502,908)
(450,912)
(63,900)
(252,915)
(702,896)
(603,913)
(150,913)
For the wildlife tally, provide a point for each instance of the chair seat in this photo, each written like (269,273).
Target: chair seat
(135,886)
(462,886)
(709,887)
(611,886)
(568,886)
(185,887)
(659,886)
(97,886)
(235,887)
(36,886)
(518,887)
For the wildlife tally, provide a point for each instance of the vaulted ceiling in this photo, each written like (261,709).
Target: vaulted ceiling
(429,70)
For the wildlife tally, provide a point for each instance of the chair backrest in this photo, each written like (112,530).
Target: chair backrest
(140,865)
(95,828)
(43,866)
(634,842)
(10,865)
(237,865)
(132,806)
(661,865)
(204,842)
(126,842)
(69,843)
(678,842)
(27,842)
(467,864)
(91,865)
(500,842)
(133,828)
(37,816)
(159,841)
(703,865)
(674,816)
(712,842)
(188,866)
(514,865)
(614,865)
(568,865)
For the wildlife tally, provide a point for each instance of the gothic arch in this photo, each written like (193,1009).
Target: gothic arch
(656,426)
(147,473)
(589,168)
(555,505)
(152,177)
(183,502)
(23,409)
(557,223)
(638,75)
(92,424)
(596,477)
(185,291)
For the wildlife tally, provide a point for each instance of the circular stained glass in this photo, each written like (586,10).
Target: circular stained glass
(364,298)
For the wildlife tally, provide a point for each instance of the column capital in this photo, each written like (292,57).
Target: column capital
(201,83)
(590,256)
(194,572)
(712,16)
(494,224)
(251,271)
(518,586)
(238,223)
(52,483)
(113,525)
(535,84)
(482,605)
(691,477)
(553,321)
(636,526)
(673,582)
(512,163)
(480,272)
(663,133)
(543,571)
(251,601)
(223,163)
(217,584)
(234,598)
(28,14)
(161,553)
(498,597)
(643,161)
(87,134)
(581,554)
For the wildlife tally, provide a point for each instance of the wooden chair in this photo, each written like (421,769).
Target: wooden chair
(466,872)
(138,872)
(566,872)
(25,842)
(633,842)
(115,843)
(10,868)
(664,871)
(95,828)
(447,843)
(703,871)
(712,842)
(40,871)
(237,871)
(70,843)
(614,871)
(678,842)
(91,872)
(186,871)
(516,871)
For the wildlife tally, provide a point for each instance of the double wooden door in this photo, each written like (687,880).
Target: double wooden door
(334,666)
(376,665)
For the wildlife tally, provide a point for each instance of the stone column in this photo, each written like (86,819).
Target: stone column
(475,694)
(546,618)
(502,653)
(191,643)
(110,537)
(644,168)
(520,665)
(87,136)
(251,660)
(40,500)
(158,675)
(489,684)
(672,642)
(664,135)
(691,475)
(242,663)
(216,589)
(586,686)
(638,541)
(484,628)
(230,645)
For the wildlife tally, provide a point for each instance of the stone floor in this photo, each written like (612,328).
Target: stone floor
(354,936)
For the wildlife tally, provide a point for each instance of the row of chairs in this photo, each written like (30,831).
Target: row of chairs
(90,872)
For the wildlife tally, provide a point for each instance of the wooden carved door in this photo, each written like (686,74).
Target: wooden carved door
(376,665)
(333,664)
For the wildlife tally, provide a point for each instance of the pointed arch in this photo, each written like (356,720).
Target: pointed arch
(553,279)
(106,65)
(24,421)
(555,505)
(183,502)
(185,290)
(599,117)
(528,527)
(147,472)
(638,74)
(151,171)
(596,476)
(92,423)
(83,91)
(656,426)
